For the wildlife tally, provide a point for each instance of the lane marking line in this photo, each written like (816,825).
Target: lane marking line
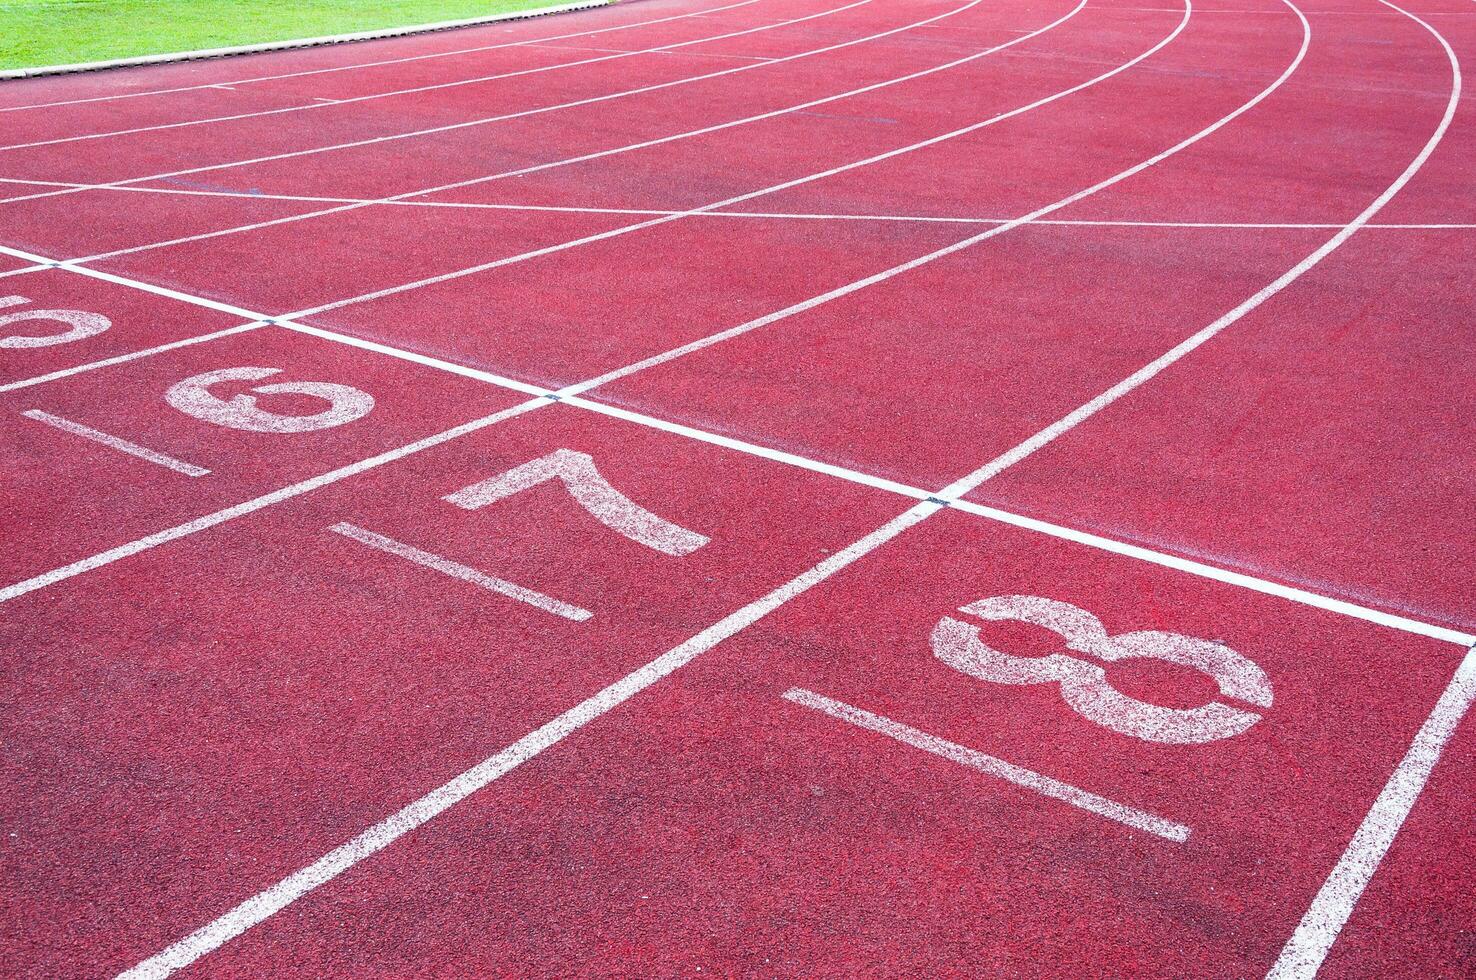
(599,154)
(992,766)
(24,269)
(131,356)
(474,80)
(114,442)
(368,64)
(796,182)
(1157,366)
(1304,953)
(1163,559)
(777,215)
(292,154)
(465,573)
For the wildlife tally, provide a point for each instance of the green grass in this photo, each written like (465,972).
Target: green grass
(56,32)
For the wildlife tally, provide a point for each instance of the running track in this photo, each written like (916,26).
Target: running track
(789,487)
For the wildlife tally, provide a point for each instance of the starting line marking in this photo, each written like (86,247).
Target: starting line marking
(465,573)
(991,766)
(113,442)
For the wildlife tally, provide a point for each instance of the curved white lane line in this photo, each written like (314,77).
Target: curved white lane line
(483,121)
(427,88)
(969,242)
(533,168)
(1144,374)
(785,185)
(370,64)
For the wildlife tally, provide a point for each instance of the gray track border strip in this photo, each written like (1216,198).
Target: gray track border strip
(307,42)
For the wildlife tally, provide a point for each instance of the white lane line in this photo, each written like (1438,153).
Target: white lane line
(796,182)
(148,542)
(897,270)
(113,442)
(599,154)
(1151,370)
(990,765)
(776,215)
(1099,542)
(24,269)
(1304,953)
(368,64)
(125,358)
(325,103)
(267,903)
(465,573)
(486,120)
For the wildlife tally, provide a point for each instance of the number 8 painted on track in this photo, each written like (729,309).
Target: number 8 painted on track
(1084,685)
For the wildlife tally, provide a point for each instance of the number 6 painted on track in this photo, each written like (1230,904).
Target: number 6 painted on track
(1084,685)
(82,323)
(192,396)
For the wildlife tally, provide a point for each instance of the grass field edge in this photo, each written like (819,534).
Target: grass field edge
(308,42)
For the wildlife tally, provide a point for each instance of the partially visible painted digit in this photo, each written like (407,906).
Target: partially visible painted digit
(192,396)
(1084,685)
(80,325)
(592,492)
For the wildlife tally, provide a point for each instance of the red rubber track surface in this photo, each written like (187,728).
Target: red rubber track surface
(778,487)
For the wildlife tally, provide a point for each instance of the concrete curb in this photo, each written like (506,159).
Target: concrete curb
(307,42)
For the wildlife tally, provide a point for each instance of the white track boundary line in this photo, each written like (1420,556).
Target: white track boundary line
(474,80)
(990,765)
(114,442)
(592,100)
(131,356)
(374,64)
(406,196)
(780,215)
(1303,955)
(456,570)
(1151,370)
(305,42)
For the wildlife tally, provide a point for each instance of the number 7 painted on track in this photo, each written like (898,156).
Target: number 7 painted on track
(591,491)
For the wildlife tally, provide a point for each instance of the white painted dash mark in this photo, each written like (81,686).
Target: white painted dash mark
(465,573)
(113,442)
(989,765)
